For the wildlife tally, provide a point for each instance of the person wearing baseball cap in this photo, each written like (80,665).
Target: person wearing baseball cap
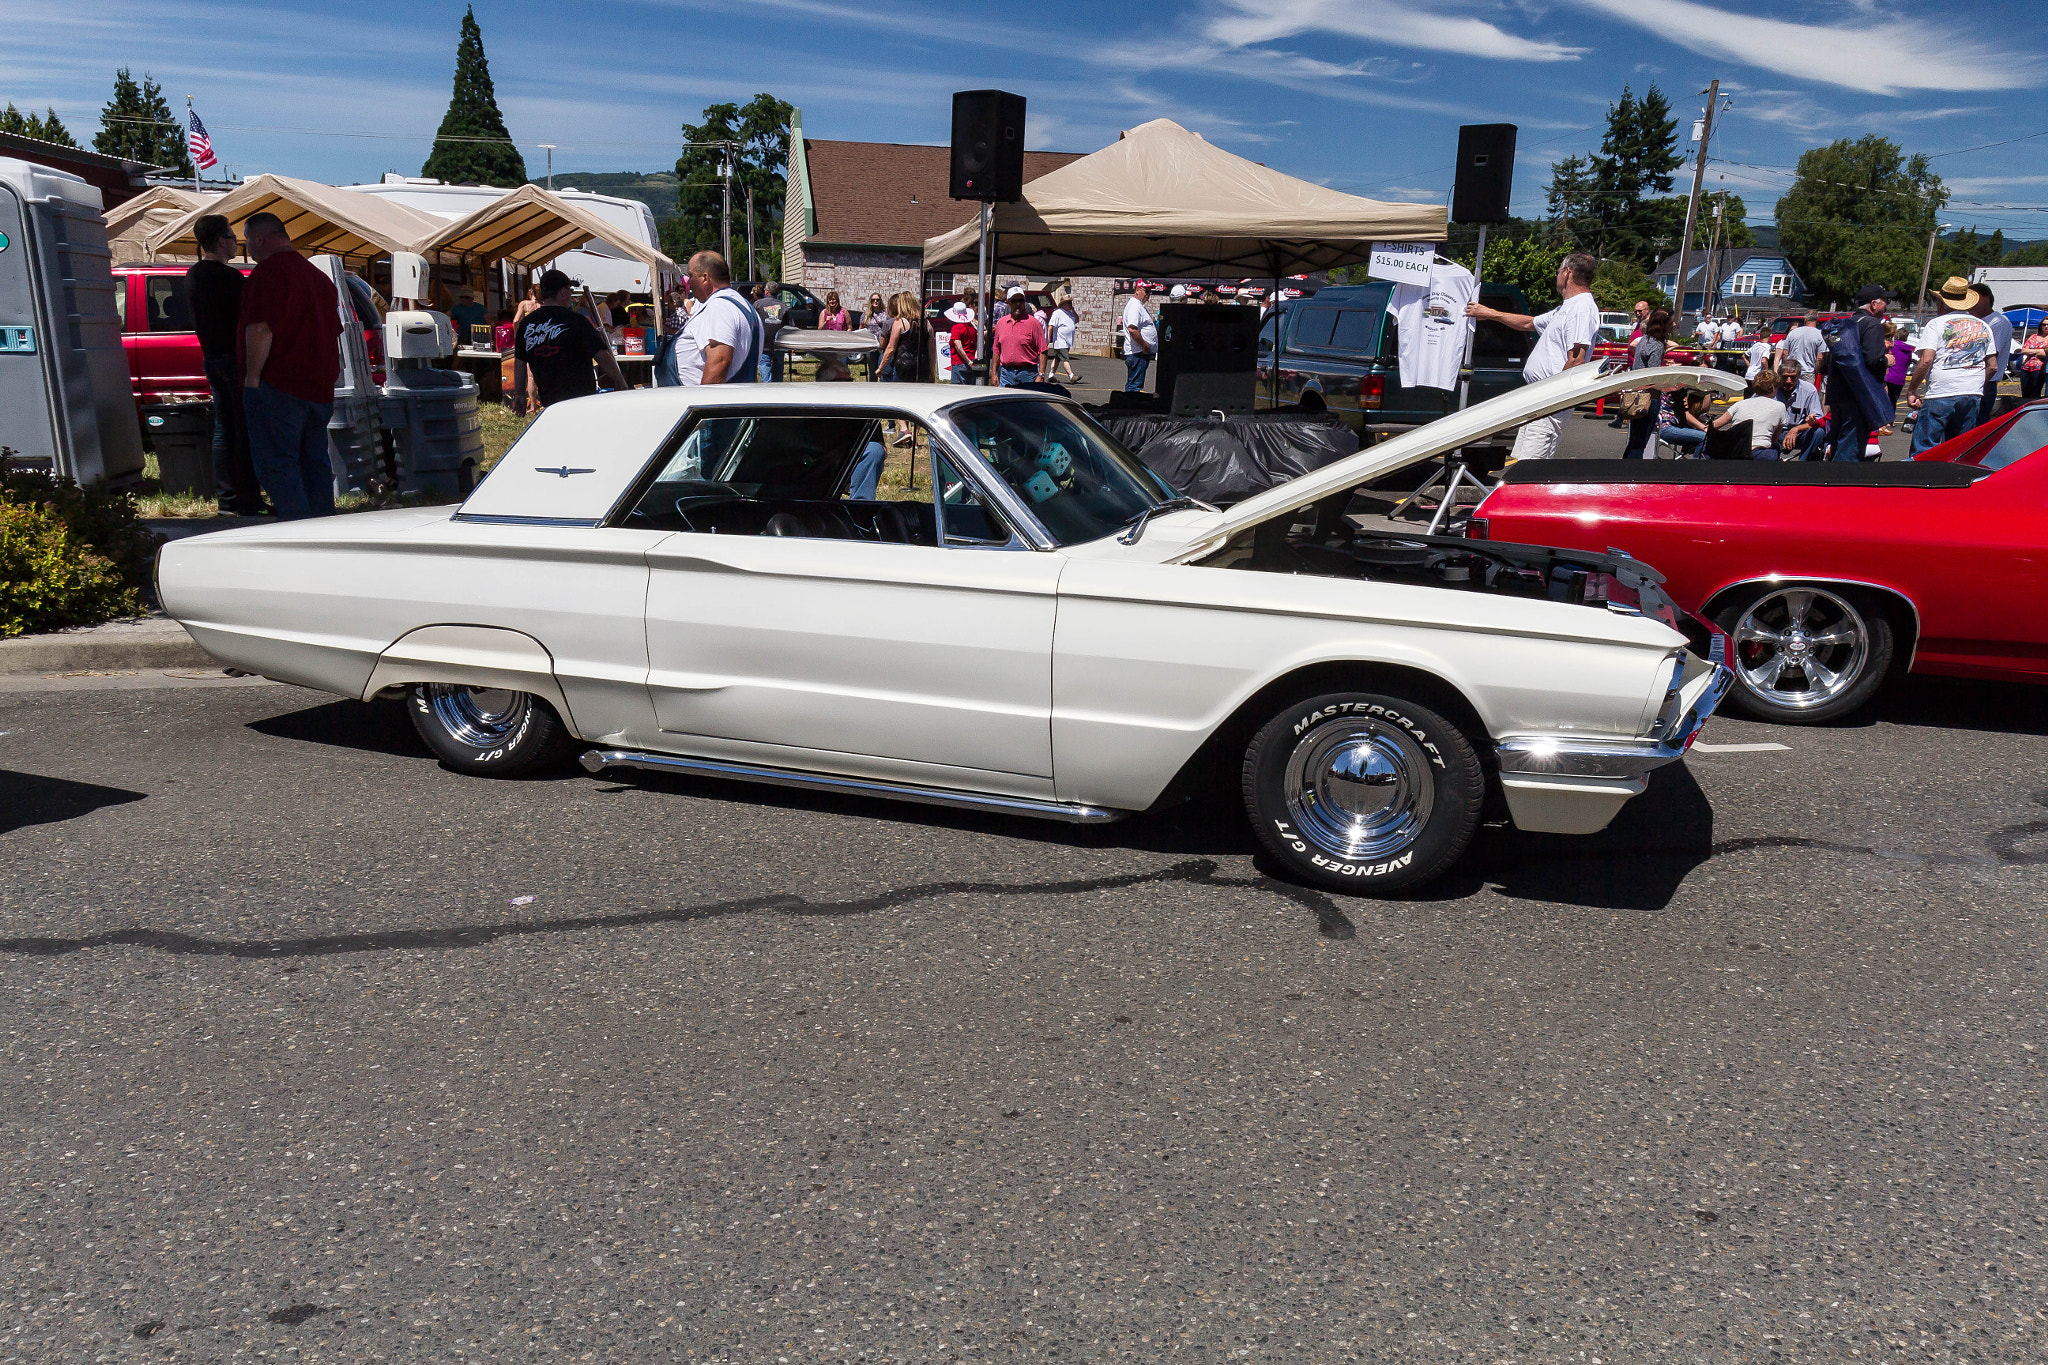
(1956,357)
(1847,420)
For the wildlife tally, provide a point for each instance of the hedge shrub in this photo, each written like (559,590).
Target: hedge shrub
(69,556)
(48,579)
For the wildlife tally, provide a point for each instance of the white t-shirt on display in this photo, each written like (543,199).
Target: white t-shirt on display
(1575,322)
(725,318)
(1138,316)
(1961,344)
(1431,327)
(1803,346)
(1766,418)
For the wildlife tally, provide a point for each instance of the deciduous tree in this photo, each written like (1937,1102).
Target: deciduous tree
(761,129)
(1859,213)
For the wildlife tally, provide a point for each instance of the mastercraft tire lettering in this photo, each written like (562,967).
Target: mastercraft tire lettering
(1363,792)
(490,732)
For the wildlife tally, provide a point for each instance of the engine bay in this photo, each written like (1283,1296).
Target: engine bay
(1326,545)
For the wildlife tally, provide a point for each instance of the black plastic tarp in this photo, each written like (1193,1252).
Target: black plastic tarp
(1227,460)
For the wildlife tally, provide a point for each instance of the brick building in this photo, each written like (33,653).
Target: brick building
(856,216)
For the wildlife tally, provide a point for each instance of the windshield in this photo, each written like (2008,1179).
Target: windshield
(1069,471)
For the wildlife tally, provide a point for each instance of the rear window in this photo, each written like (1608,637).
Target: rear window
(2026,435)
(1355,329)
(1315,327)
(167,309)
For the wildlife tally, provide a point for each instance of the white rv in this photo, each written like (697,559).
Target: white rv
(601,266)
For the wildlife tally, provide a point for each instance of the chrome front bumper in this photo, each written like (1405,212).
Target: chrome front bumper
(1584,756)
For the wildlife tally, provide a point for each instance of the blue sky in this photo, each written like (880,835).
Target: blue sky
(1363,95)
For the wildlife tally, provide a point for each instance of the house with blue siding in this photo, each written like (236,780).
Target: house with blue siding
(1750,281)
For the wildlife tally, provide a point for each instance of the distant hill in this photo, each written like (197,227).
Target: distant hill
(657,191)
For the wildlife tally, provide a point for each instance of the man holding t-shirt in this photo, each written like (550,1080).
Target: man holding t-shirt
(557,345)
(1564,339)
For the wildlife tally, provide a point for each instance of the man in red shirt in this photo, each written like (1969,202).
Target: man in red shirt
(1020,345)
(290,322)
(962,340)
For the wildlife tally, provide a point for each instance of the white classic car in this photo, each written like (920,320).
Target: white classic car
(677,579)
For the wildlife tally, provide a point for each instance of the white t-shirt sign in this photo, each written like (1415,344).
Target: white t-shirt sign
(1401,262)
(1432,327)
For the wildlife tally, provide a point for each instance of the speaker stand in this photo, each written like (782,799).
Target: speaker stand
(1455,476)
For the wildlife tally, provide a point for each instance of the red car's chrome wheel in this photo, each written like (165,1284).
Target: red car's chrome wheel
(1804,653)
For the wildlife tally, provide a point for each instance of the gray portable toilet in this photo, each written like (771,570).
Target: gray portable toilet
(66,403)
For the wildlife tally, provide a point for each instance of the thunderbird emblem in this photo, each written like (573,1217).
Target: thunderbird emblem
(562,472)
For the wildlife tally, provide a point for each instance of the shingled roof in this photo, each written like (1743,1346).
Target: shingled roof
(892,194)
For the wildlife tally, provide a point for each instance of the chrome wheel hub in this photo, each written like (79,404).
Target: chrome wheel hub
(478,716)
(1801,647)
(1358,788)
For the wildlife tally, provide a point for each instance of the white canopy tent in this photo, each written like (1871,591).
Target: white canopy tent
(319,218)
(530,226)
(133,222)
(1160,200)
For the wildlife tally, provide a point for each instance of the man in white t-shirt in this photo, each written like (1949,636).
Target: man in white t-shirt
(1141,339)
(721,343)
(1956,359)
(1564,339)
(1755,358)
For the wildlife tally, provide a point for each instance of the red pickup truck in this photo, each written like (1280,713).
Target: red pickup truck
(164,364)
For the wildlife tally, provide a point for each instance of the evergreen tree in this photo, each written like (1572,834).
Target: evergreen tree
(137,124)
(44,128)
(1859,213)
(1568,199)
(1636,158)
(761,128)
(472,146)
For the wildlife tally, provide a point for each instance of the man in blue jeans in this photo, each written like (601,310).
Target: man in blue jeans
(1957,357)
(213,289)
(1141,339)
(291,319)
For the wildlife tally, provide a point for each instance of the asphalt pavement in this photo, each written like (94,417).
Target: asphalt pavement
(317,1051)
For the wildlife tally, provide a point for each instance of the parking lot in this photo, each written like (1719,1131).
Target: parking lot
(318,1051)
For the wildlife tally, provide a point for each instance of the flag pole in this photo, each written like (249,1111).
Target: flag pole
(188,138)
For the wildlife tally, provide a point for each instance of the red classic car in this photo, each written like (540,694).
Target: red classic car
(1827,577)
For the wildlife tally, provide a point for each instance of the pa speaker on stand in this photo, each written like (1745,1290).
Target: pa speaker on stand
(988,146)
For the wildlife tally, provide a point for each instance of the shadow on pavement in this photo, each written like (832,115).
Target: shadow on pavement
(26,799)
(378,727)
(1960,704)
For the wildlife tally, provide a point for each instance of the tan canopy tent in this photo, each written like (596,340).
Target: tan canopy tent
(530,226)
(131,223)
(320,218)
(1161,201)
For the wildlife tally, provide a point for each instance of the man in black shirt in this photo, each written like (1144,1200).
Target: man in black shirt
(213,289)
(558,343)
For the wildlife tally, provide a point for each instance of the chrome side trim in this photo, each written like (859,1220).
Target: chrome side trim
(1585,756)
(494,519)
(597,760)
(1779,579)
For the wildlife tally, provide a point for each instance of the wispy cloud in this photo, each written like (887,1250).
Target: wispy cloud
(1882,56)
(1397,24)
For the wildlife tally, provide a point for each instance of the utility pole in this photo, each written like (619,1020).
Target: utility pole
(1928,268)
(1692,204)
(550,148)
(725,217)
(750,234)
(1711,286)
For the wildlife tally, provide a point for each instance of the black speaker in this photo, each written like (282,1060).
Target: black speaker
(1208,357)
(988,145)
(1486,173)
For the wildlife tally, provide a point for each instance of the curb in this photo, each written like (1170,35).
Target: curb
(139,645)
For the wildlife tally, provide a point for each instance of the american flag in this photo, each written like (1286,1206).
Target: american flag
(198,143)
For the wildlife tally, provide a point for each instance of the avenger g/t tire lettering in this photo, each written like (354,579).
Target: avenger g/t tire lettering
(1363,792)
(487,731)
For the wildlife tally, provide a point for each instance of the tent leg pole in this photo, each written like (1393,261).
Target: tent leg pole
(981,342)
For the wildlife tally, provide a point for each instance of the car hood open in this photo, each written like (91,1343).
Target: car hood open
(1207,532)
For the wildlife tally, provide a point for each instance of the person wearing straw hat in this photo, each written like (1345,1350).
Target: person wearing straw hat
(1956,359)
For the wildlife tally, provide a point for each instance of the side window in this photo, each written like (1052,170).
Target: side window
(169,311)
(1354,330)
(967,517)
(804,475)
(1269,334)
(1390,338)
(121,299)
(1315,327)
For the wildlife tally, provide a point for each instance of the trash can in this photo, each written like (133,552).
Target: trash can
(438,426)
(181,434)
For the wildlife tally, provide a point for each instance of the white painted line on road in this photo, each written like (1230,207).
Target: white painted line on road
(1702,746)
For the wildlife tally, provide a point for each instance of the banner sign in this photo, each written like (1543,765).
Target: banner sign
(1401,262)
